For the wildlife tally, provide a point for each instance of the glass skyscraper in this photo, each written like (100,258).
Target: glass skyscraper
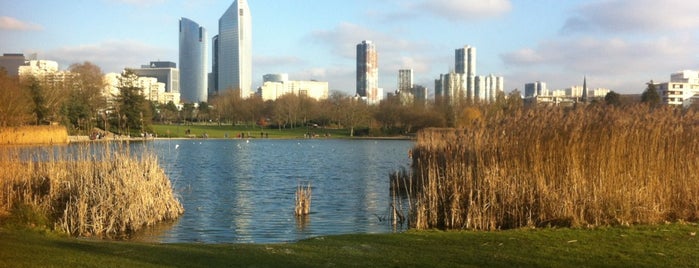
(193,75)
(234,62)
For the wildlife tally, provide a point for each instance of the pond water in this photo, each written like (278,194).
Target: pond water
(242,191)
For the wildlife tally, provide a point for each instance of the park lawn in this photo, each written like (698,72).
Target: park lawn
(218,132)
(669,245)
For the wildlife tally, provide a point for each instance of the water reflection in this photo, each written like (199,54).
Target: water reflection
(243,191)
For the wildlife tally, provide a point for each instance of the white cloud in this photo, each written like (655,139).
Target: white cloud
(465,10)
(394,53)
(615,62)
(111,55)
(13,24)
(633,16)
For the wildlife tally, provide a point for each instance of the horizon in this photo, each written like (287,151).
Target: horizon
(616,44)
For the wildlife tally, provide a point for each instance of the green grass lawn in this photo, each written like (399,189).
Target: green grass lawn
(672,245)
(218,132)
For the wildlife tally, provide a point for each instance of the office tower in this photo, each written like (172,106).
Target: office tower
(465,63)
(235,49)
(367,72)
(213,77)
(193,76)
(405,80)
(164,71)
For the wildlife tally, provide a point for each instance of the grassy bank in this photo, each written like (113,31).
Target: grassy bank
(592,166)
(33,135)
(673,245)
(223,131)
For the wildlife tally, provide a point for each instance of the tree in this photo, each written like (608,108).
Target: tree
(40,108)
(650,95)
(16,102)
(612,98)
(85,87)
(133,110)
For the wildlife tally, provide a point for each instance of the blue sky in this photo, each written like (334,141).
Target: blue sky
(617,44)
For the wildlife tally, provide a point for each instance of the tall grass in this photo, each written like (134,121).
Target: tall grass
(111,194)
(582,167)
(33,135)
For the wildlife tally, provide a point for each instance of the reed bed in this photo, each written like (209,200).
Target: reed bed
(591,166)
(33,135)
(111,194)
(303,200)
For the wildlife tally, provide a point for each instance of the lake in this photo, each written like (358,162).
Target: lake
(242,191)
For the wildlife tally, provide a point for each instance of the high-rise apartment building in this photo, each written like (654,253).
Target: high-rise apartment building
(488,86)
(405,80)
(234,53)
(465,63)
(193,64)
(537,88)
(368,72)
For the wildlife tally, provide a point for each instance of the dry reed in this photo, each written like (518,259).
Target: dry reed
(303,200)
(33,135)
(589,166)
(111,194)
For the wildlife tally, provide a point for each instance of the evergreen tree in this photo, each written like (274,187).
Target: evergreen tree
(612,98)
(132,109)
(651,96)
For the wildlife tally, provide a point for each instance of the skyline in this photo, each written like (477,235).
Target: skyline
(617,44)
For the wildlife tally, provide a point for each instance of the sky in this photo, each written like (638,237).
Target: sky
(615,44)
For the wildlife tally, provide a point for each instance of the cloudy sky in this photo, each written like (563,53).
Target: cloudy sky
(617,44)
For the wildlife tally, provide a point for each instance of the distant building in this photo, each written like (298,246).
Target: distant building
(10,62)
(165,71)
(213,76)
(537,88)
(405,79)
(420,93)
(45,71)
(277,85)
(536,93)
(234,49)
(193,64)
(151,88)
(155,91)
(465,63)
(451,87)
(368,72)
(487,87)
(682,90)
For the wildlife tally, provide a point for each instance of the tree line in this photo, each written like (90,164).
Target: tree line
(78,101)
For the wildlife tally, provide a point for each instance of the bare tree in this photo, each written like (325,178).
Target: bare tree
(16,104)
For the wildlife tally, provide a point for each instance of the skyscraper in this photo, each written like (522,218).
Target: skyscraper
(405,80)
(368,72)
(235,49)
(213,79)
(193,76)
(465,63)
